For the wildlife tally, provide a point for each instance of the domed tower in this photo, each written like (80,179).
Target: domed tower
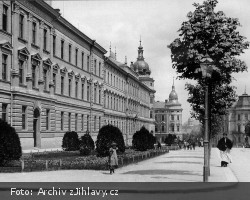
(140,66)
(173,97)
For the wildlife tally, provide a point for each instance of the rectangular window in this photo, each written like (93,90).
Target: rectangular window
(82,122)
(82,60)
(4,67)
(54,44)
(88,93)
(45,39)
(24,117)
(178,128)
(95,91)
(162,118)
(69,121)
(76,57)
(100,122)
(178,117)
(45,79)
(54,82)
(76,92)
(172,117)
(5,17)
(88,64)
(238,116)
(33,76)
(95,66)
(47,119)
(62,85)
(21,81)
(4,112)
(62,49)
(69,87)
(95,123)
(83,91)
(246,116)
(99,96)
(70,53)
(62,120)
(21,21)
(76,122)
(87,122)
(34,32)
(239,128)
(100,69)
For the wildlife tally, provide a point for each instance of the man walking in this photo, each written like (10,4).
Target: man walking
(225,145)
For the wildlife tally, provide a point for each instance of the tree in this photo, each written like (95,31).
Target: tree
(10,146)
(170,139)
(108,134)
(211,33)
(221,98)
(70,141)
(86,144)
(143,140)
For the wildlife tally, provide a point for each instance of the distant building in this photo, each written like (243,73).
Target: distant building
(237,119)
(168,117)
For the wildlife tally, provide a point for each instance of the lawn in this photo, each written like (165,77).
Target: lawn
(61,160)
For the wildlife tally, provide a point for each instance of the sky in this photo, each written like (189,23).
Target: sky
(123,22)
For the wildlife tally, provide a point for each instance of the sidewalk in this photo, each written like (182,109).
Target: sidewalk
(175,166)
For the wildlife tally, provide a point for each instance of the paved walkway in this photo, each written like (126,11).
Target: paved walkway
(175,166)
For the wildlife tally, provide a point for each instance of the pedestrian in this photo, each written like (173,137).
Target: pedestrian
(159,145)
(193,144)
(113,160)
(225,145)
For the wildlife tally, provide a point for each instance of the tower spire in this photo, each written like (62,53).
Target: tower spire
(173,87)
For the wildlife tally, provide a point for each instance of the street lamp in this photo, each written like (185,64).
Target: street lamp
(206,67)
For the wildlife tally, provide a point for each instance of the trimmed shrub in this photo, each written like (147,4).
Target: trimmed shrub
(108,134)
(10,146)
(143,140)
(86,145)
(170,139)
(70,141)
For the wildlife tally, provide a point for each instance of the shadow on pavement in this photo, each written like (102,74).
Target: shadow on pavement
(181,162)
(185,157)
(162,172)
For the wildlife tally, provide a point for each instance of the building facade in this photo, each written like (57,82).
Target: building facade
(237,119)
(168,117)
(54,78)
(126,97)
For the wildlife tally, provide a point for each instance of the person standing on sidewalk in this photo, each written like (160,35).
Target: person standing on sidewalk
(113,160)
(225,145)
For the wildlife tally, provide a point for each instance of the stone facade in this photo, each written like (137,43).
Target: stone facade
(168,117)
(52,78)
(126,98)
(237,119)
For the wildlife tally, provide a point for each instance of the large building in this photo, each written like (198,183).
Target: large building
(126,97)
(168,117)
(54,78)
(237,119)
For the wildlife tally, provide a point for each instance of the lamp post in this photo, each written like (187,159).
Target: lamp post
(206,67)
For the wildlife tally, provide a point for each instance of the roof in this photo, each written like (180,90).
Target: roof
(159,104)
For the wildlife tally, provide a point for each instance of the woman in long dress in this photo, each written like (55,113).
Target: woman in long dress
(225,145)
(113,160)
